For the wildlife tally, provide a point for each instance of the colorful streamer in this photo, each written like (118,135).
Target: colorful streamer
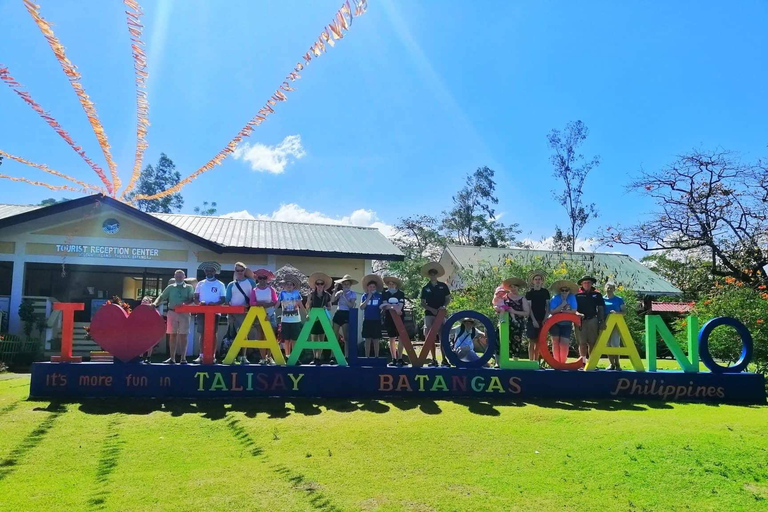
(50,171)
(6,77)
(74,79)
(342,21)
(42,184)
(142,105)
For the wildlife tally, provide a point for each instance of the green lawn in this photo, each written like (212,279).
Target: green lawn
(421,455)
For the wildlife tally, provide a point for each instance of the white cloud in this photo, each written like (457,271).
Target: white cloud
(272,159)
(582,244)
(294,213)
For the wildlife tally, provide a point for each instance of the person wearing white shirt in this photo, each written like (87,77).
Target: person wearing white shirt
(209,292)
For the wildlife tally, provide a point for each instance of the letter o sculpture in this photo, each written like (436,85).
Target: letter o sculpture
(490,330)
(746,345)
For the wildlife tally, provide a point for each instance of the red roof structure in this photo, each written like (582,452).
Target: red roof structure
(672,307)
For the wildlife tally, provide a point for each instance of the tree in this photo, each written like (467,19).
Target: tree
(688,272)
(562,242)
(472,220)
(571,167)
(707,202)
(205,209)
(50,201)
(154,180)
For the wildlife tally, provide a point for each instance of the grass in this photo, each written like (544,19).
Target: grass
(298,455)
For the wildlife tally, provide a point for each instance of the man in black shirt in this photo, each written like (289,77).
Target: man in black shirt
(538,297)
(591,309)
(434,297)
(393,300)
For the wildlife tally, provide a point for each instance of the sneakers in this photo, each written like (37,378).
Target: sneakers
(183,360)
(433,363)
(445,363)
(170,360)
(392,363)
(400,363)
(244,360)
(199,360)
(333,361)
(318,362)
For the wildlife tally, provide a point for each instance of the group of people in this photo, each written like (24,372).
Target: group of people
(528,305)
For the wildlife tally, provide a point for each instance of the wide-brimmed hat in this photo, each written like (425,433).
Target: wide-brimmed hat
(587,278)
(346,277)
(290,278)
(500,289)
(373,277)
(322,276)
(393,279)
(555,287)
(210,264)
(432,266)
(514,281)
(474,322)
(537,272)
(263,272)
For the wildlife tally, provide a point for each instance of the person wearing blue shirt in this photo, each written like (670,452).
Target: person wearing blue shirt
(614,305)
(563,301)
(371,306)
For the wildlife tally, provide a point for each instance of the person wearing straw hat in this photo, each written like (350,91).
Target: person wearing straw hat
(434,297)
(177,293)
(538,299)
(519,310)
(291,306)
(591,308)
(614,305)
(464,337)
(393,302)
(208,292)
(238,293)
(371,306)
(563,301)
(319,283)
(265,296)
(347,299)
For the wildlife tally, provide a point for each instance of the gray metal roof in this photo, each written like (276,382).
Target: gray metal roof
(9,210)
(625,270)
(272,235)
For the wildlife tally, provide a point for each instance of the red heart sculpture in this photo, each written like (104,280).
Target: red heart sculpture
(127,336)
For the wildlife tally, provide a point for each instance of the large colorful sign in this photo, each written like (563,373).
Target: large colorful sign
(128,336)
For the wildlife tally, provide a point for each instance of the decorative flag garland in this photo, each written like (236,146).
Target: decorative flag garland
(341,22)
(50,171)
(142,105)
(41,184)
(74,79)
(6,77)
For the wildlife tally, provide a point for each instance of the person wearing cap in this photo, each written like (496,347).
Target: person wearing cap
(346,299)
(518,309)
(614,305)
(393,302)
(563,301)
(238,293)
(464,337)
(591,308)
(372,314)
(538,299)
(177,324)
(208,292)
(319,282)
(434,297)
(263,295)
(291,305)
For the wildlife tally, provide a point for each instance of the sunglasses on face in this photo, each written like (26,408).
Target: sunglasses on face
(262,278)
(319,283)
(565,289)
(239,270)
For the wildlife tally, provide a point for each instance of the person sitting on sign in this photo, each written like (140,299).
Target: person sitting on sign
(263,295)
(563,301)
(319,282)
(178,293)
(291,306)
(434,297)
(238,293)
(591,309)
(614,305)
(464,337)
(208,292)
(347,299)
(372,314)
(393,302)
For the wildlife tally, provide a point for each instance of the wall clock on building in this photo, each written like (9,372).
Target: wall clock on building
(110,226)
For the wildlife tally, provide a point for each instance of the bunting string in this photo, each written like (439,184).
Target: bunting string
(41,184)
(50,171)
(341,22)
(6,77)
(74,79)
(134,15)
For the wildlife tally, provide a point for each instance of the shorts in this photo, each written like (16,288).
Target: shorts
(341,317)
(177,323)
(615,339)
(561,330)
(428,321)
(587,333)
(290,330)
(372,329)
(389,325)
(533,332)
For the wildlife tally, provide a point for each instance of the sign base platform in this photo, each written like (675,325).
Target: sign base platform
(102,380)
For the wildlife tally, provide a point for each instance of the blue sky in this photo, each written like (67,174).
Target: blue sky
(414,97)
